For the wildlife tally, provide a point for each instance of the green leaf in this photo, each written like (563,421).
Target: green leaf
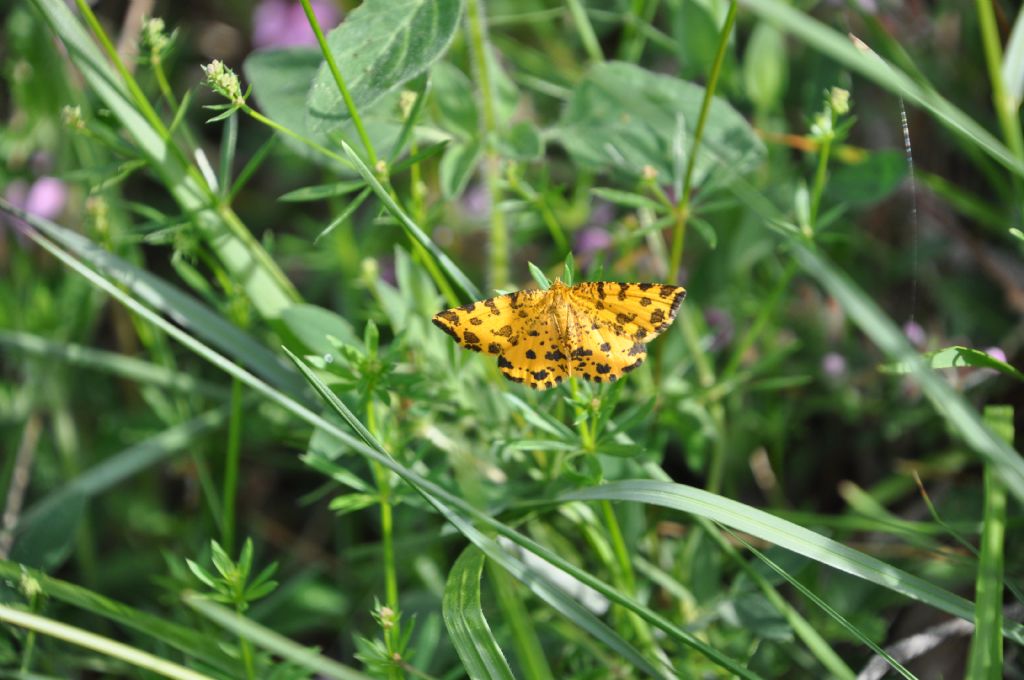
(623,117)
(380,45)
(539,276)
(957,356)
(627,198)
(313,325)
(351,502)
(464,619)
(201,573)
(765,67)
(281,85)
(451,94)
(49,539)
(869,181)
(457,167)
(321,191)
(520,142)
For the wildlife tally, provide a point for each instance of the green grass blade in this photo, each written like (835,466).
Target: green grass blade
(961,417)
(98,643)
(464,618)
(443,500)
(124,464)
(159,294)
(267,287)
(986,657)
(277,644)
(787,535)
(186,640)
(120,365)
(827,608)
(803,629)
(841,48)
(411,228)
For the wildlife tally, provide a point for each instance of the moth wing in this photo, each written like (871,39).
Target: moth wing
(641,311)
(492,325)
(518,328)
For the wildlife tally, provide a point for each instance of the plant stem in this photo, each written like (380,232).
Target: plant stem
(820,176)
(382,477)
(498,266)
(683,208)
(231,464)
(1005,106)
(586,30)
(340,81)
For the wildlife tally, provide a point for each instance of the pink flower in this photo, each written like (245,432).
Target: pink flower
(281,23)
(591,240)
(46,197)
(915,334)
(996,353)
(833,365)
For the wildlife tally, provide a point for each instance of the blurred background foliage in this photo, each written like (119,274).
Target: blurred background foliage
(489,137)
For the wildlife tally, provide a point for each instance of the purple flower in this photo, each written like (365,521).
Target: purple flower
(996,353)
(833,365)
(45,197)
(915,334)
(280,23)
(476,202)
(720,322)
(591,240)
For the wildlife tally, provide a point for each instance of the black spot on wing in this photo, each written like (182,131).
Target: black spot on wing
(447,329)
(530,354)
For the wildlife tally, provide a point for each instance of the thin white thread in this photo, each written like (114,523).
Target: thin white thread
(913,208)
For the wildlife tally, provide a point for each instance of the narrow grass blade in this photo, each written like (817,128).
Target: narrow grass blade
(557,598)
(787,535)
(464,618)
(442,500)
(98,643)
(277,644)
(267,287)
(803,629)
(841,48)
(412,229)
(961,417)
(120,365)
(986,658)
(827,608)
(180,306)
(124,464)
(186,640)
